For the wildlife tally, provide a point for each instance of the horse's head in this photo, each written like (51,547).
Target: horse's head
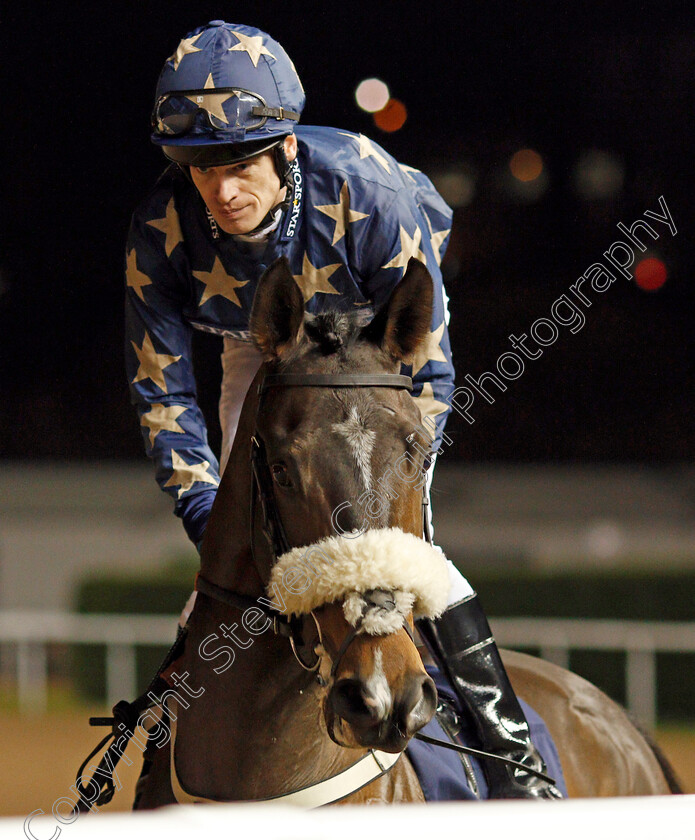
(349,461)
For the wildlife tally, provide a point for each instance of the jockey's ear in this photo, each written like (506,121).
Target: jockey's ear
(403,322)
(277,312)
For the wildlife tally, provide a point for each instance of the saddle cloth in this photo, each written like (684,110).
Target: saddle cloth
(441,772)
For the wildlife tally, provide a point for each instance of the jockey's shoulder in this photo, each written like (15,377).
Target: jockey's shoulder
(170,184)
(333,153)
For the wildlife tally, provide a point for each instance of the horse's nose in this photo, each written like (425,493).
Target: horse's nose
(364,705)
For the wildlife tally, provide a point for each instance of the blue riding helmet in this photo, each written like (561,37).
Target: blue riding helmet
(229,92)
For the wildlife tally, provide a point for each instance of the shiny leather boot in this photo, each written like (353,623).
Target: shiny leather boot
(462,645)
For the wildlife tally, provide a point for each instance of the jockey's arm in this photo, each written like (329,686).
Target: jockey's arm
(161,380)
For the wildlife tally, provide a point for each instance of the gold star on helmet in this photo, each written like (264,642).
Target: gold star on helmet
(429,350)
(429,406)
(134,278)
(212,102)
(341,213)
(152,364)
(184,48)
(184,475)
(367,149)
(251,44)
(437,240)
(162,418)
(218,282)
(410,247)
(170,226)
(313,280)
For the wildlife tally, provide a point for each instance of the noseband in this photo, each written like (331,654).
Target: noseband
(272,526)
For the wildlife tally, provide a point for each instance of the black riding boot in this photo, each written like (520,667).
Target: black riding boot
(462,644)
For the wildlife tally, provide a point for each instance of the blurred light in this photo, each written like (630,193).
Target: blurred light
(456,185)
(604,539)
(650,274)
(526,165)
(598,175)
(372,95)
(392,116)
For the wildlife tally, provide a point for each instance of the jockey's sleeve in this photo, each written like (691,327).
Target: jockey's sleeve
(161,380)
(416,223)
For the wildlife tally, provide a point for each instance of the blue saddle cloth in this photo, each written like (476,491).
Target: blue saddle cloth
(440,771)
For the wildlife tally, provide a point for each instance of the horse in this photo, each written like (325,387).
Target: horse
(282,691)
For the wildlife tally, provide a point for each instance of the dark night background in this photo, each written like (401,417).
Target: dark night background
(480,81)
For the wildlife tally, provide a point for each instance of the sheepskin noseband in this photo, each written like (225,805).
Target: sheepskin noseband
(411,574)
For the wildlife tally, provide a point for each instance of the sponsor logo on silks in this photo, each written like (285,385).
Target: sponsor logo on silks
(296,204)
(213,224)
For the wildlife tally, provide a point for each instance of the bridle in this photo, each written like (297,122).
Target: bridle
(126,715)
(272,526)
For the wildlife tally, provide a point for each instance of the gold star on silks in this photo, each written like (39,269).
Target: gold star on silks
(184,48)
(408,170)
(169,225)
(429,350)
(437,240)
(184,475)
(162,418)
(213,101)
(313,280)
(134,278)
(429,406)
(341,213)
(367,149)
(251,44)
(218,282)
(152,364)
(410,247)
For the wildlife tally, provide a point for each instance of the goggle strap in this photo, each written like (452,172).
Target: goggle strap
(278,113)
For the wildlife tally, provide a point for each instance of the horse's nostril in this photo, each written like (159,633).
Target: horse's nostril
(429,692)
(419,706)
(348,699)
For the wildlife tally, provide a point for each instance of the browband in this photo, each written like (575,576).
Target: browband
(340,380)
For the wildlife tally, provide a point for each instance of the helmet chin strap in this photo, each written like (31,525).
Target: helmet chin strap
(284,170)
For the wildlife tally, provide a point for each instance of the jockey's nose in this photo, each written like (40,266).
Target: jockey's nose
(226,189)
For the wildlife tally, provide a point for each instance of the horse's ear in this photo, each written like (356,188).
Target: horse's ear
(277,312)
(403,323)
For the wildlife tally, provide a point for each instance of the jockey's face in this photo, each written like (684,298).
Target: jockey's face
(240,195)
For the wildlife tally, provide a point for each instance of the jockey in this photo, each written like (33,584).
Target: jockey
(246,185)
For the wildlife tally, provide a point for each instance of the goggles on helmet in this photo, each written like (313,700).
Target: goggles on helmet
(182,112)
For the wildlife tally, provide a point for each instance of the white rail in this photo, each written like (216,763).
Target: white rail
(32,630)
(637,818)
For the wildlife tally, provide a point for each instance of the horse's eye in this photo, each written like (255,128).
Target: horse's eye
(281,475)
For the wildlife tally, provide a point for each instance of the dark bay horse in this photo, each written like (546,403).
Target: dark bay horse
(250,720)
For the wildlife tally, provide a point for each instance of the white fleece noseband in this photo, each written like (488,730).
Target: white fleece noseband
(343,568)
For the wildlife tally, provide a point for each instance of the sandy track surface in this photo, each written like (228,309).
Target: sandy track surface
(40,757)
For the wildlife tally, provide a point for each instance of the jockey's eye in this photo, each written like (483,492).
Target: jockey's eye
(280,474)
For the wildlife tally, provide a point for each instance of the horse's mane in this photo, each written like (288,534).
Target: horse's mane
(329,332)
